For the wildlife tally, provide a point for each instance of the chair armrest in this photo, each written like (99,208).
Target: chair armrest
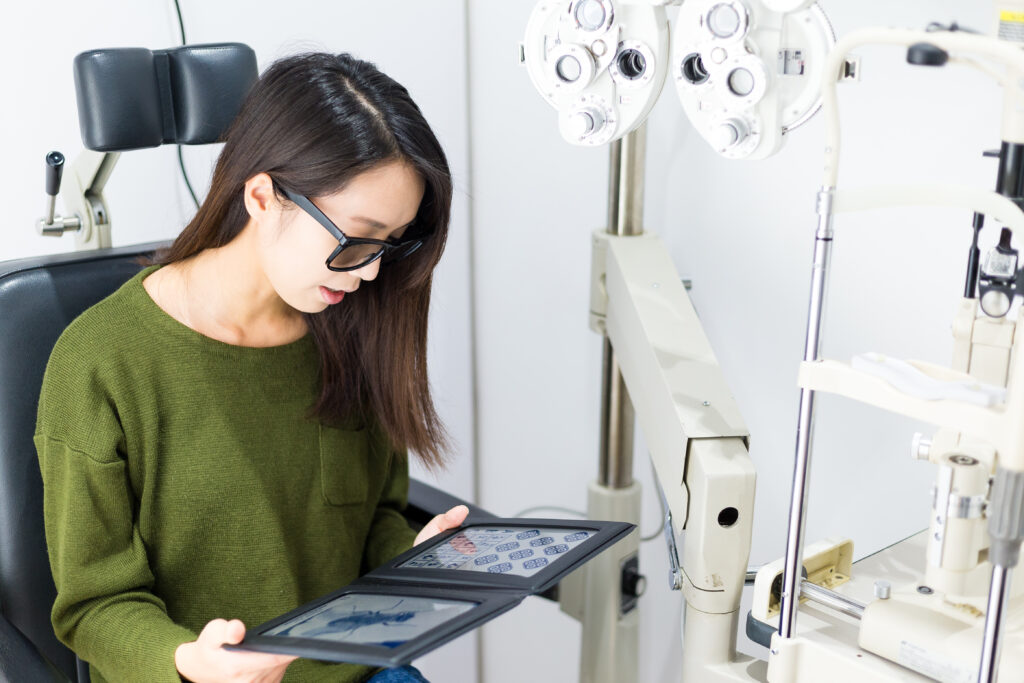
(20,661)
(426,502)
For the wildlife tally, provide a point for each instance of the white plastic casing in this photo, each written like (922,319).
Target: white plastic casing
(622,52)
(787,5)
(746,73)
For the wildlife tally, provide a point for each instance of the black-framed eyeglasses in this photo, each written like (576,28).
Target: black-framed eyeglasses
(352,253)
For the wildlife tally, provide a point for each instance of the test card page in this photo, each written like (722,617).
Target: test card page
(520,552)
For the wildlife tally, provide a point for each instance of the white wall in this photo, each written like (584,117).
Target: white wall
(742,231)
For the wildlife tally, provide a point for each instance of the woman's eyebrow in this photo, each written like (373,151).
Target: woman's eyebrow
(375,224)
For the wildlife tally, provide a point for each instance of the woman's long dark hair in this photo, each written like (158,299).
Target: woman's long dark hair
(313,122)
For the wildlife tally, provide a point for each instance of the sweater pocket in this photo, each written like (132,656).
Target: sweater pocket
(344,465)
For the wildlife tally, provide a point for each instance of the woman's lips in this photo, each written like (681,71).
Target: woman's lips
(331,296)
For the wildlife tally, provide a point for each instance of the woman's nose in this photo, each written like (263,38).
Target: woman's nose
(369,271)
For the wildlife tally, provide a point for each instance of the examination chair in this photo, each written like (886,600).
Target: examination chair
(40,296)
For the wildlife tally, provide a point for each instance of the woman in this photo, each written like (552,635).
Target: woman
(224,437)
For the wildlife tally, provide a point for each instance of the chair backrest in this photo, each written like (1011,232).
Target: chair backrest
(38,298)
(128,98)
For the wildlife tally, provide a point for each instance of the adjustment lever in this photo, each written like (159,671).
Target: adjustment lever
(675,574)
(50,224)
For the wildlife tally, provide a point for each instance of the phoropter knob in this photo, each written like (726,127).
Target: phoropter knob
(586,121)
(729,133)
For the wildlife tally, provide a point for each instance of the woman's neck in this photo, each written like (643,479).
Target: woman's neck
(224,293)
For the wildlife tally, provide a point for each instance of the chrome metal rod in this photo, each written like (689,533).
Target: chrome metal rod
(617,419)
(625,218)
(51,208)
(991,645)
(626,184)
(805,424)
(819,278)
(614,185)
(797,517)
(831,599)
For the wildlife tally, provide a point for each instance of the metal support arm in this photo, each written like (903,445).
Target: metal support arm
(673,377)
(696,437)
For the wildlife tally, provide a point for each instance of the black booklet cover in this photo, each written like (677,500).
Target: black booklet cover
(435,592)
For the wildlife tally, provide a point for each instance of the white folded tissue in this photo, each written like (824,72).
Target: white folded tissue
(915,382)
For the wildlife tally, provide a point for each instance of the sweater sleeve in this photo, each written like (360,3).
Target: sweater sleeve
(105,610)
(390,534)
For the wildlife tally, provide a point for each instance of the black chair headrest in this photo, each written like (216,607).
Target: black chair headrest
(130,98)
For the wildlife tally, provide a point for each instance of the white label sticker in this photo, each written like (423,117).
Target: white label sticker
(1011,26)
(933,665)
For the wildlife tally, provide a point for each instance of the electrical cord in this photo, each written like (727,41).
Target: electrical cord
(181,23)
(538,508)
(953,26)
(184,175)
(181,157)
(576,513)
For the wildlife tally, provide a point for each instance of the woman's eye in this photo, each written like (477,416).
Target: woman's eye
(400,234)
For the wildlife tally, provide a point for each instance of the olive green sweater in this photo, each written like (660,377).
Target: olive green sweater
(183,482)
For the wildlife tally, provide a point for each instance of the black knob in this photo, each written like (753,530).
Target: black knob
(1005,245)
(633,582)
(926,54)
(54,169)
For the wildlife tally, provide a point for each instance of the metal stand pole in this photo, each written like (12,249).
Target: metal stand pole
(625,217)
(802,468)
(993,624)
(1006,532)
(610,642)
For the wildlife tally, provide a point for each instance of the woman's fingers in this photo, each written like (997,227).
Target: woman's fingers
(443,522)
(455,517)
(234,632)
(206,660)
(221,631)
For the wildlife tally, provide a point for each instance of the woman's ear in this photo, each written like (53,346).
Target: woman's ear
(260,198)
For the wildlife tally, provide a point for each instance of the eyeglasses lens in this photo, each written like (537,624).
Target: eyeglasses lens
(355,255)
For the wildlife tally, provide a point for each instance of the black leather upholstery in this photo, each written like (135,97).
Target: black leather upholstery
(426,502)
(130,98)
(19,660)
(38,298)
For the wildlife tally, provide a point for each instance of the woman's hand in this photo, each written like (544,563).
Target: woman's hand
(205,660)
(449,520)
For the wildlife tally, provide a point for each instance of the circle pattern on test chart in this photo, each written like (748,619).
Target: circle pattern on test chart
(499,550)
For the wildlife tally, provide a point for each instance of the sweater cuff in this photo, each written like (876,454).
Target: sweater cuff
(164,649)
(158,642)
(175,637)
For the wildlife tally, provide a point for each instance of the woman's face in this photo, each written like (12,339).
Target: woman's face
(378,204)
